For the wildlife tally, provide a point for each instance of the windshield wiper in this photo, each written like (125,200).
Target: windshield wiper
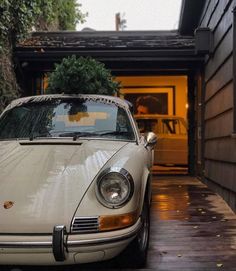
(33,136)
(76,135)
(113,133)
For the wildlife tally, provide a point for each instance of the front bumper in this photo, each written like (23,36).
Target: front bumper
(76,248)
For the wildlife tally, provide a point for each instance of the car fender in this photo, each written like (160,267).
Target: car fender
(134,159)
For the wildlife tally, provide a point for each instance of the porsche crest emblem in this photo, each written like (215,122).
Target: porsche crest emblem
(8,204)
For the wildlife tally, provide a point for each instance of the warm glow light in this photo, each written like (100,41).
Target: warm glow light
(115,222)
(169,205)
(186,106)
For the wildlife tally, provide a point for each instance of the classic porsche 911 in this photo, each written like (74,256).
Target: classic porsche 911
(75,178)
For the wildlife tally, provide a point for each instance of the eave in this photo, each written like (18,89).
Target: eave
(190,15)
(128,51)
(112,55)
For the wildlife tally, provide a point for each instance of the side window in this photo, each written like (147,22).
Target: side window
(173,126)
(147,125)
(122,124)
(170,126)
(154,126)
(183,128)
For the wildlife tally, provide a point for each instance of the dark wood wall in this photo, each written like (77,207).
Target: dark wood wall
(219,144)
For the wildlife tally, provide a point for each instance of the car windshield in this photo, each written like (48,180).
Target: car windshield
(66,118)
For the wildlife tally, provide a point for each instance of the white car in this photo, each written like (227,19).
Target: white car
(172,147)
(75,178)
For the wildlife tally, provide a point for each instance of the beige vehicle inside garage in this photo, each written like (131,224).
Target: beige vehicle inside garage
(172,146)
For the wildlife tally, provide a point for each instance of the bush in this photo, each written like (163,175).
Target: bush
(9,89)
(81,75)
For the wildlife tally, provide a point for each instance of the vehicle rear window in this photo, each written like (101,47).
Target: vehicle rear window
(172,126)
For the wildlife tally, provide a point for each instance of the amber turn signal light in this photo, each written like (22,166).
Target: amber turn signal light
(115,222)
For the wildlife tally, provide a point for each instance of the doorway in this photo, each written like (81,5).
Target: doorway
(161,104)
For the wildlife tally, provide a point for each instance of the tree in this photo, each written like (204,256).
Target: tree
(82,75)
(17,19)
(58,15)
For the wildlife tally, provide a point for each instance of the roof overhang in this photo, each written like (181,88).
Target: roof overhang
(190,15)
(119,61)
(122,52)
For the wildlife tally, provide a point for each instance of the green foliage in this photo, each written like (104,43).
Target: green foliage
(8,88)
(69,14)
(16,19)
(58,15)
(82,75)
(19,16)
(7,93)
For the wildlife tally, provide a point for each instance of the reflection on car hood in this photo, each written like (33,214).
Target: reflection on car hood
(46,183)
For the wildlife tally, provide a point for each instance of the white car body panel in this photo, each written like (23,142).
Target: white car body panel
(133,159)
(47,182)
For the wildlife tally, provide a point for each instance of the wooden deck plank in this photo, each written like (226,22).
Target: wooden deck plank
(192,227)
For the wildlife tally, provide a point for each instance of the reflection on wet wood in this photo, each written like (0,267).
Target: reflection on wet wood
(192,228)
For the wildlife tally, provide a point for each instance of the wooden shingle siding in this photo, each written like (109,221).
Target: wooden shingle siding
(222,53)
(220,79)
(223,147)
(219,126)
(209,12)
(222,173)
(224,101)
(223,26)
(219,13)
(219,146)
(204,12)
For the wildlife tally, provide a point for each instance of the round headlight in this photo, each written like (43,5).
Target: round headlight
(114,188)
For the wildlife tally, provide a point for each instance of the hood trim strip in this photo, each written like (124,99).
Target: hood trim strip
(49,143)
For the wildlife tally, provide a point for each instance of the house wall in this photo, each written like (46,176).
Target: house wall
(219,145)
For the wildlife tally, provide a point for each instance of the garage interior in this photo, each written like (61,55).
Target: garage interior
(171,99)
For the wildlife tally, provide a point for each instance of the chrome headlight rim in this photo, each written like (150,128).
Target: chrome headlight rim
(126,175)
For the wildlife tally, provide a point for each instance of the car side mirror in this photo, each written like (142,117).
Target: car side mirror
(151,139)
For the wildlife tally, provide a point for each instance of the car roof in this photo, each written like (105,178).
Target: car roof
(90,97)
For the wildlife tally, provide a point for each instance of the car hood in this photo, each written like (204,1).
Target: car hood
(44,182)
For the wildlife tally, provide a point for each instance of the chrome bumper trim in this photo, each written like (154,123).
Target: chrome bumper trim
(76,243)
(26,244)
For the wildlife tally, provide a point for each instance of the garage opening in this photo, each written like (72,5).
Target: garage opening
(161,105)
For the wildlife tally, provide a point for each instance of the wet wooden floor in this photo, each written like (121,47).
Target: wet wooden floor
(191,229)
